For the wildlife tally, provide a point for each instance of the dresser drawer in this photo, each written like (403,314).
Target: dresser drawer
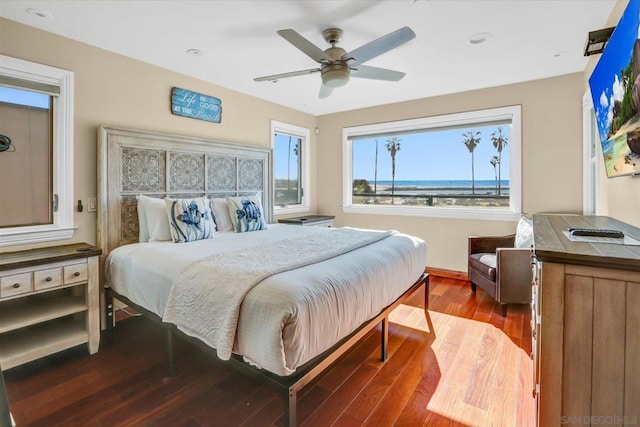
(49,278)
(15,284)
(75,273)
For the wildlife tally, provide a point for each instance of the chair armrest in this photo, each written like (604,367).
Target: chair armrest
(513,275)
(489,244)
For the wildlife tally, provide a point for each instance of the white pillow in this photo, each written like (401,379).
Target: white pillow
(155,211)
(220,209)
(142,221)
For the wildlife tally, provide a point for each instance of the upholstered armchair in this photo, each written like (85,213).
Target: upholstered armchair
(501,265)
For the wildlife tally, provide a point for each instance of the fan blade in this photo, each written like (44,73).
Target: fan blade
(325,91)
(284,75)
(310,49)
(367,72)
(379,46)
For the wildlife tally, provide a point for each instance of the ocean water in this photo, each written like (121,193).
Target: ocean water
(444,183)
(439,187)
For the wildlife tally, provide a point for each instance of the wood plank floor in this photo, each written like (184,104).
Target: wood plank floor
(465,366)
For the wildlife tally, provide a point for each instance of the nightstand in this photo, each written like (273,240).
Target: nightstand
(49,302)
(310,220)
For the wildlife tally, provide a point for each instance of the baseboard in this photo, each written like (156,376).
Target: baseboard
(449,274)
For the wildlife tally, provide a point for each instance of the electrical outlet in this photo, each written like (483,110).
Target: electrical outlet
(93,205)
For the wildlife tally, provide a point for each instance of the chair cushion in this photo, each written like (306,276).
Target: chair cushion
(484,263)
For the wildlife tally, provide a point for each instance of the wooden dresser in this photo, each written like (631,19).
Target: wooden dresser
(49,301)
(585,324)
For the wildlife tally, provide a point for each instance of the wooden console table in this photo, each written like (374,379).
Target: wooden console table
(585,324)
(49,301)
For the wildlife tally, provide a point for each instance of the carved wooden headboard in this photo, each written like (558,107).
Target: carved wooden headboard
(132,162)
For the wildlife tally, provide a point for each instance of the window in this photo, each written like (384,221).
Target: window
(290,168)
(464,165)
(36,168)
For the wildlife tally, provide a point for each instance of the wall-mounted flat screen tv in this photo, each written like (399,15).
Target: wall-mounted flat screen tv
(615,90)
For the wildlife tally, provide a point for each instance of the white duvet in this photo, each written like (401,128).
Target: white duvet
(291,317)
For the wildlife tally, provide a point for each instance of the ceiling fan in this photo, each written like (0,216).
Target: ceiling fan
(337,65)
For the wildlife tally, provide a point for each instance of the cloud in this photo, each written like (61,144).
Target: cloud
(616,95)
(618,89)
(604,102)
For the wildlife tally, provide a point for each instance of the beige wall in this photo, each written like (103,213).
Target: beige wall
(617,197)
(551,160)
(115,90)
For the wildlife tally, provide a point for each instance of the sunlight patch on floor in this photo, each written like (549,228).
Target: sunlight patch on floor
(483,375)
(409,316)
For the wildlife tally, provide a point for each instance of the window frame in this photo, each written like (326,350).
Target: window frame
(62,227)
(591,164)
(477,117)
(304,134)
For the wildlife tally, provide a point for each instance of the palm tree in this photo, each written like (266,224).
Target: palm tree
(393,146)
(296,151)
(289,166)
(495,160)
(296,148)
(471,141)
(375,173)
(499,142)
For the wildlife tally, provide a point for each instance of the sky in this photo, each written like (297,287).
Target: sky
(605,81)
(23,97)
(281,160)
(431,156)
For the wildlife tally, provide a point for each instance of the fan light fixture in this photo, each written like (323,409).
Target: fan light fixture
(335,75)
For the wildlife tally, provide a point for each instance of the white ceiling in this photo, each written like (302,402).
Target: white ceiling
(530,40)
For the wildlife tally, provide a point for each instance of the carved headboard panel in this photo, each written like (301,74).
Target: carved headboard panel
(159,165)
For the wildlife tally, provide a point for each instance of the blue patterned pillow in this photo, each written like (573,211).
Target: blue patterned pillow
(246,213)
(190,219)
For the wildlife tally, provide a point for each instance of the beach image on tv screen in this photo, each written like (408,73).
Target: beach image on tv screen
(615,90)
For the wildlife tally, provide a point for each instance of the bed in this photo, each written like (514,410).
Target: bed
(295,320)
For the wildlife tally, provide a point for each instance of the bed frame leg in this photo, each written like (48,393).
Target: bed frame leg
(426,293)
(109,312)
(384,343)
(291,405)
(169,344)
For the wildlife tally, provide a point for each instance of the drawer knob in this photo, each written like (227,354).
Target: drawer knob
(77,273)
(16,285)
(48,279)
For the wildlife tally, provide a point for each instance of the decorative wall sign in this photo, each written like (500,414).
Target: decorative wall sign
(195,105)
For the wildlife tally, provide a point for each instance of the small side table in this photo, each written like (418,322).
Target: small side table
(310,220)
(49,301)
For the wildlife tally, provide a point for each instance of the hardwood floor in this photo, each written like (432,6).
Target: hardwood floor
(465,366)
